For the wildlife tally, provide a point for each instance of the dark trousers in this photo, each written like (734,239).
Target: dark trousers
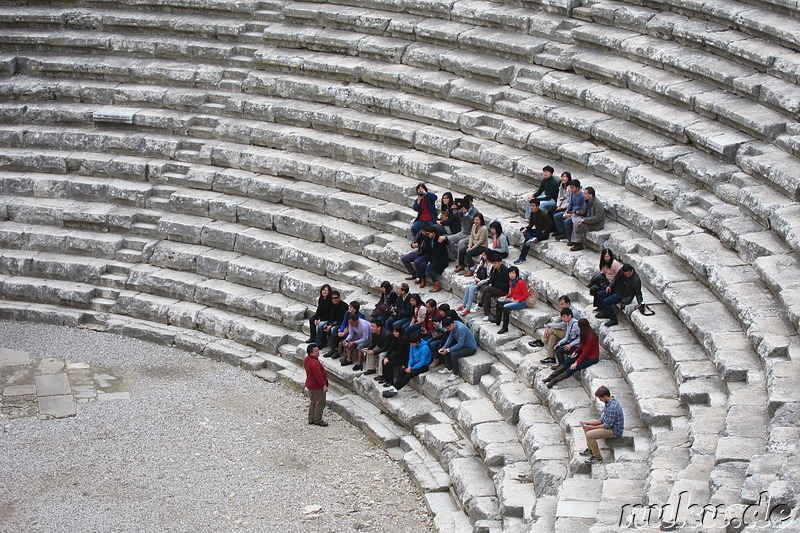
(532,234)
(405,377)
(388,370)
(608,306)
(486,299)
(316,406)
(562,352)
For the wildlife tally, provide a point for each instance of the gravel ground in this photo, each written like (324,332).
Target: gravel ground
(199,446)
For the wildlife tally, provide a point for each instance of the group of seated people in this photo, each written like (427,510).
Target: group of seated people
(405,335)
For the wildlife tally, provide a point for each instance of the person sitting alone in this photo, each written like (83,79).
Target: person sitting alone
(610,426)
(419,360)
(586,354)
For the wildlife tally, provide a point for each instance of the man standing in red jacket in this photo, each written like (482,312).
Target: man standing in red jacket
(317,385)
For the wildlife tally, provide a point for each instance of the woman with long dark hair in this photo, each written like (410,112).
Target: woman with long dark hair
(448,219)
(396,356)
(385,303)
(515,299)
(586,354)
(324,308)
(609,266)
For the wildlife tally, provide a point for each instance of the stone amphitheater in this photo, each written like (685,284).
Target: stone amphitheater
(191,171)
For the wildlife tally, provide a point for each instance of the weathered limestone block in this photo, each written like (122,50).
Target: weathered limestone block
(182,228)
(540,435)
(259,334)
(510,399)
(226,295)
(144,306)
(473,412)
(214,263)
(470,479)
(169,283)
(184,314)
(492,432)
(260,244)
(256,273)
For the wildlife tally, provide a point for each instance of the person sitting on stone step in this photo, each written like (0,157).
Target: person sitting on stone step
(418,314)
(358,337)
(436,343)
(594,219)
(425,206)
(479,279)
(562,200)
(610,426)
(625,287)
(419,360)
(432,329)
(460,343)
(324,306)
(546,193)
(569,342)
(378,344)
(383,308)
(334,321)
(555,330)
(396,356)
(466,216)
(586,354)
(415,259)
(515,299)
(607,271)
(497,286)
(576,206)
(402,309)
(538,229)
(498,241)
(449,215)
(353,309)
(435,258)
(476,244)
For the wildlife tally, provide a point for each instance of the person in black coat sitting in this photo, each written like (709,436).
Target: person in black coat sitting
(498,285)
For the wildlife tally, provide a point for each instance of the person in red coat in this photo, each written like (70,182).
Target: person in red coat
(586,354)
(317,385)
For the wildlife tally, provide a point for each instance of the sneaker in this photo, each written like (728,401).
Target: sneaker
(548,360)
(452,378)
(519,261)
(486,319)
(465,312)
(461,307)
(586,452)
(530,242)
(593,460)
(321,423)
(445,371)
(388,393)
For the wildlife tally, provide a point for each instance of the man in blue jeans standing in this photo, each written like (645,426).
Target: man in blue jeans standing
(625,287)
(460,343)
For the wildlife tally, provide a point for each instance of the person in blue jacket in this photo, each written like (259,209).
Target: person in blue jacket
(419,359)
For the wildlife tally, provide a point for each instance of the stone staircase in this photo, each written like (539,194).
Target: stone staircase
(183,171)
